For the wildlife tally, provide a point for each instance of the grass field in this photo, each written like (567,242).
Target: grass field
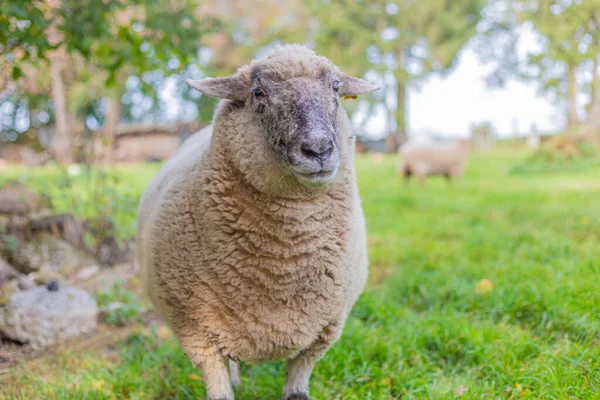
(486,289)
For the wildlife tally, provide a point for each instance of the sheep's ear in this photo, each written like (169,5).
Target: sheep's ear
(351,86)
(233,87)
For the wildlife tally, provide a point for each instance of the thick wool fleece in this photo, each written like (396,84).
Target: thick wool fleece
(238,257)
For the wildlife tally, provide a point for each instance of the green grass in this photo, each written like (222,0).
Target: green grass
(90,193)
(421,330)
(550,160)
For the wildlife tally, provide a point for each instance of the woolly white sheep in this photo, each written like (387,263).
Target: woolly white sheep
(251,239)
(423,159)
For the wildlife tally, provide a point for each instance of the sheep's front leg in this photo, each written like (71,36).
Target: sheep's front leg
(299,369)
(214,370)
(216,378)
(202,355)
(234,372)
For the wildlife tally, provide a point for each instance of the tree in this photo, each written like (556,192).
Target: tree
(568,34)
(593,9)
(100,41)
(563,34)
(410,38)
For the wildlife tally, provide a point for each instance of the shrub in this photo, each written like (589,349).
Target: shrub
(118,305)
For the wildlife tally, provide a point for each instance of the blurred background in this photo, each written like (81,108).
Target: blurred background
(479,288)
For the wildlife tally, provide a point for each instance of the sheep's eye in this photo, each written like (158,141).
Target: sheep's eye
(258,93)
(336,85)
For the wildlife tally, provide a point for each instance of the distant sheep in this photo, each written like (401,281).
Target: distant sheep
(251,239)
(423,159)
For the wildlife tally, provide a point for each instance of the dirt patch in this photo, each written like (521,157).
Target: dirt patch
(16,358)
(12,353)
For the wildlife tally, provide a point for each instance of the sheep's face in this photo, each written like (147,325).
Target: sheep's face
(299,118)
(294,98)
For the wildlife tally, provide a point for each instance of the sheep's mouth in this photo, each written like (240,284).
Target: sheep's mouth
(320,177)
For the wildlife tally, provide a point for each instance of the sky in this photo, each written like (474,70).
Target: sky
(447,106)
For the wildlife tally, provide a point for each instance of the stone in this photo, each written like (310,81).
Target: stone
(7,272)
(11,281)
(25,282)
(85,273)
(48,250)
(16,198)
(71,229)
(111,253)
(7,289)
(107,277)
(53,286)
(41,317)
(46,275)
(115,305)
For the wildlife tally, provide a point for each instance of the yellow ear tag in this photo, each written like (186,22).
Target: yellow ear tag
(350,97)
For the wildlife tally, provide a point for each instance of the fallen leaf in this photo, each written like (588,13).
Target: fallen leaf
(377,158)
(164,332)
(461,390)
(518,387)
(98,384)
(484,286)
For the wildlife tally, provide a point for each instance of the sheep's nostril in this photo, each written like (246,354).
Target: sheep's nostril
(320,151)
(308,152)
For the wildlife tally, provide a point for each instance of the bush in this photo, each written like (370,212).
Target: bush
(118,305)
(561,154)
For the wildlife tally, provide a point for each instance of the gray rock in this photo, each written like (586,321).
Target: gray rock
(25,282)
(18,199)
(85,274)
(46,275)
(41,317)
(7,272)
(7,289)
(46,250)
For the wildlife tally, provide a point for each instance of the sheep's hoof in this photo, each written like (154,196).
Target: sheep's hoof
(298,396)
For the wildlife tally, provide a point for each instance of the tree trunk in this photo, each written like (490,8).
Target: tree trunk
(401,110)
(392,142)
(594,117)
(109,131)
(63,149)
(572,118)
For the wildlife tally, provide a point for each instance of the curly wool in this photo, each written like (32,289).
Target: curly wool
(237,256)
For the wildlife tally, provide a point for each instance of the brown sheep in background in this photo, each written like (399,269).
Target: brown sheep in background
(423,159)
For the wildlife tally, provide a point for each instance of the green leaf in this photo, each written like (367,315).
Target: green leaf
(16,72)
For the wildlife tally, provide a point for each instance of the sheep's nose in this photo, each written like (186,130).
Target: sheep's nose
(317,148)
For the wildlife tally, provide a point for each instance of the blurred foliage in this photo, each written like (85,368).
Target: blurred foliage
(426,326)
(99,45)
(110,42)
(407,39)
(561,154)
(118,305)
(139,52)
(106,197)
(138,35)
(564,61)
